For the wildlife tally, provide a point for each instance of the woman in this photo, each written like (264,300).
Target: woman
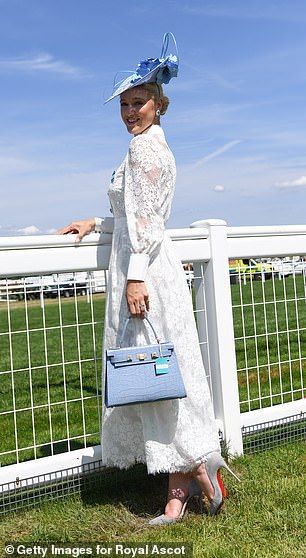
(177,436)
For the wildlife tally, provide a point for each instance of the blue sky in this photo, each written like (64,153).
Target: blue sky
(236,122)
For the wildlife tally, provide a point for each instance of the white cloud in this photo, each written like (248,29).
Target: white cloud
(292,183)
(219,188)
(42,62)
(32,229)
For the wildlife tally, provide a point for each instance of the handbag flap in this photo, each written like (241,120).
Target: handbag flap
(133,355)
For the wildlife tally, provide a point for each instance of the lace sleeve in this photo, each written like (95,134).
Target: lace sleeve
(145,196)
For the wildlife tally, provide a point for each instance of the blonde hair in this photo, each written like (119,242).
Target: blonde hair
(156,91)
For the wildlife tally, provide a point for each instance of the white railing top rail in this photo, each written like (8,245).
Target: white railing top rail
(271,230)
(260,241)
(264,230)
(33,255)
(53,240)
(195,231)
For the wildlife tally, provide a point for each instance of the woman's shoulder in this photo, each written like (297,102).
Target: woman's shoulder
(141,140)
(150,148)
(144,145)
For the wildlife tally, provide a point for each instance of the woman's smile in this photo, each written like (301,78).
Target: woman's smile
(131,121)
(137,110)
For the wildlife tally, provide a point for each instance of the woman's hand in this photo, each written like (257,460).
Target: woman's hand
(81,228)
(137,298)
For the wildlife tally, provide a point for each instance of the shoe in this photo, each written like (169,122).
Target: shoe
(193,490)
(213,464)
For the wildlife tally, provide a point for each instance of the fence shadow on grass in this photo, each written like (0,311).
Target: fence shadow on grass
(140,493)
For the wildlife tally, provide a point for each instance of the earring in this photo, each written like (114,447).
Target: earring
(157,112)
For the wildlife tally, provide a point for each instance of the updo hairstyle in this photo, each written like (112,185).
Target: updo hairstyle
(156,91)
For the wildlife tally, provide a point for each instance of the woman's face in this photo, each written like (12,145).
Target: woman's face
(137,109)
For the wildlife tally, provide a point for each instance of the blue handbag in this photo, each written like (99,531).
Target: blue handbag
(142,374)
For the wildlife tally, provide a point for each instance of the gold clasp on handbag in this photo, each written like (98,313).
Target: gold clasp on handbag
(141,356)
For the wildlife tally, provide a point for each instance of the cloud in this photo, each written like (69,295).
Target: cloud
(292,183)
(31,229)
(219,188)
(9,230)
(217,152)
(42,62)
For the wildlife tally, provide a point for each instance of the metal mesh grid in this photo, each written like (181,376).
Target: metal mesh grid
(264,436)
(37,489)
(197,286)
(50,353)
(269,303)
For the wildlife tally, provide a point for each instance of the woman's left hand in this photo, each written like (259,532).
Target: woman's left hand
(137,298)
(81,228)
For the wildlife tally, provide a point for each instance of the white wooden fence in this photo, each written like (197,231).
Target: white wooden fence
(208,245)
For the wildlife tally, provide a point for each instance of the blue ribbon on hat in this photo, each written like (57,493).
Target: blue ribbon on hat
(168,69)
(151,70)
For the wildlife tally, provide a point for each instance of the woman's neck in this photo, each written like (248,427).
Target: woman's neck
(146,129)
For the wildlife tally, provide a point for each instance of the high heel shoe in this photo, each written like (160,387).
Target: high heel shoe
(213,465)
(193,490)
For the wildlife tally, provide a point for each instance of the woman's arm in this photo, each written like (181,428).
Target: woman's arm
(145,199)
(86,226)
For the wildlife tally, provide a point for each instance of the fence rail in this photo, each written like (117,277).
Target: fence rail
(252,333)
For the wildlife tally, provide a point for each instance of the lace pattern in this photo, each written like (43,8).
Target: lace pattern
(148,192)
(168,436)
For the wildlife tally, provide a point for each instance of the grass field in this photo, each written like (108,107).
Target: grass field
(62,400)
(263,517)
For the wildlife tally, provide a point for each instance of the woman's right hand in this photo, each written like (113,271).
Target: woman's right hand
(137,298)
(81,228)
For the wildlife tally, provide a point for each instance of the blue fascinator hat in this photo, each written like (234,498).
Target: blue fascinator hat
(151,70)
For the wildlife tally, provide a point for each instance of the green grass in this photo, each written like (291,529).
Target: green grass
(263,517)
(262,384)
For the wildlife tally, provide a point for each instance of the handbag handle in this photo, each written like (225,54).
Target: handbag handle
(125,326)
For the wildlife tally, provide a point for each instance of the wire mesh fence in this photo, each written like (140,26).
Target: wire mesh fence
(267,435)
(50,361)
(269,314)
(38,489)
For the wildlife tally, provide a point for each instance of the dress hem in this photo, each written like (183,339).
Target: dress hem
(164,469)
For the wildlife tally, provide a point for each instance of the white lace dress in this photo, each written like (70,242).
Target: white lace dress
(174,435)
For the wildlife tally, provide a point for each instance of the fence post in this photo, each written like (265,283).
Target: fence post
(220,333)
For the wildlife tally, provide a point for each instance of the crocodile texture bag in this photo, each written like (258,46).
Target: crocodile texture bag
(142,374)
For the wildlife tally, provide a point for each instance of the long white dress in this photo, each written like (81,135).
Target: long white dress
(174,435)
